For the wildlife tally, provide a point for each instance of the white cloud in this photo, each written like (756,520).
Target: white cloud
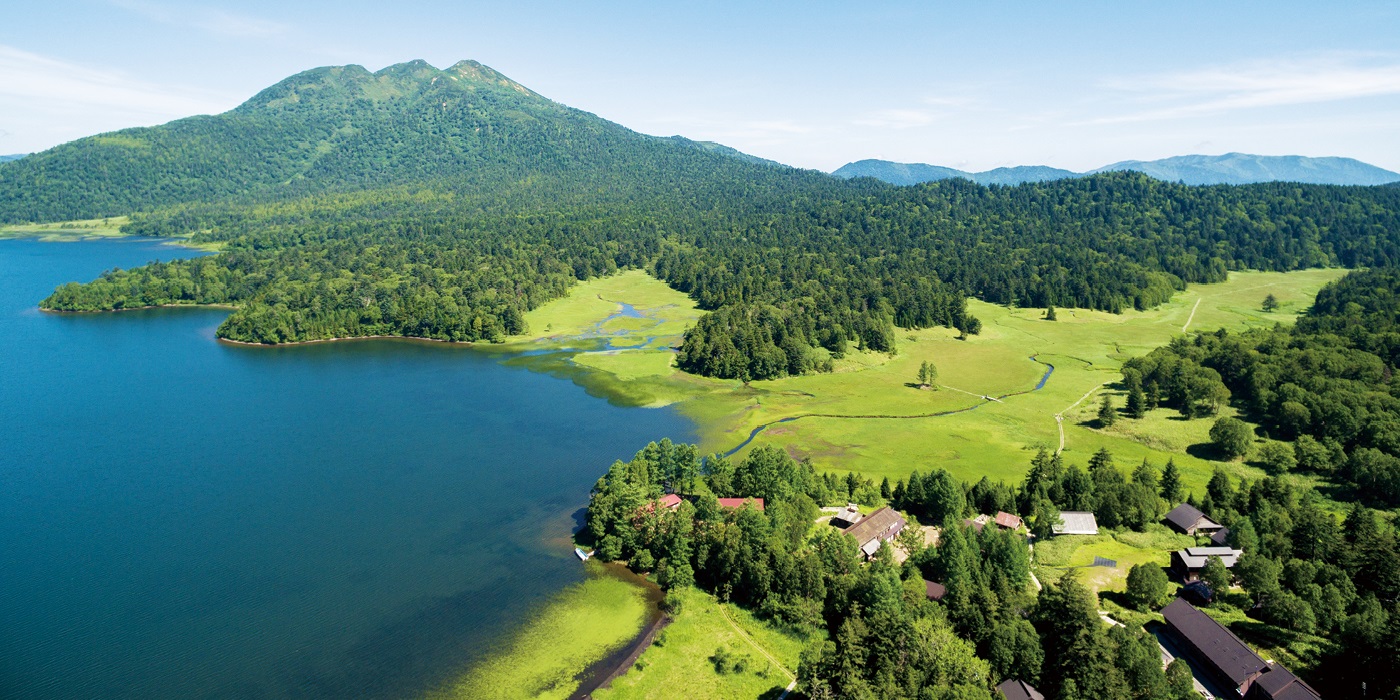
(44,101)
(213,20)
(1257,84)
(26,77)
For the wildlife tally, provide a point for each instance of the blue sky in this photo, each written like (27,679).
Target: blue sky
(973,85)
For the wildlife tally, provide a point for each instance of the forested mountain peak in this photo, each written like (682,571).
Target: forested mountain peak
(341,129)
(338,86)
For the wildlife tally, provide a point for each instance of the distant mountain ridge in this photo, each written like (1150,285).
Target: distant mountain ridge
(14,156)
(1227,169)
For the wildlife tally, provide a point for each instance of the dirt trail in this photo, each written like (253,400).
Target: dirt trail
(1060,417)
(1193,314)
(761,650)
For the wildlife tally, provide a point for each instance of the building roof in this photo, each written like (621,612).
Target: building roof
(670,501)
(973,524)
(1196,557)
(1016,689)
(1219,537)
(1279,684)
(934,590)
(1215,644)
(1187,516)
(739,502)
(880,525)
(1008,521)
(1073,522)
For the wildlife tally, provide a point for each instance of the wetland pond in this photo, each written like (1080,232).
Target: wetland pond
(183,518)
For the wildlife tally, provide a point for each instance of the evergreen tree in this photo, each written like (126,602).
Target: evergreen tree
(1137,402)
(1107,414)
(1172,490)
(1050,313)
(1270,302)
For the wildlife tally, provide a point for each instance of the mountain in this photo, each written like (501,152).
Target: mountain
(1229,169)
(1243,168)
(914,173)
(16,156)
(467,129)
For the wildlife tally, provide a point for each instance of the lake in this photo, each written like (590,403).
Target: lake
(183,518)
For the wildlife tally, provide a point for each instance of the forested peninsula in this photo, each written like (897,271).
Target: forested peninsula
(445,203)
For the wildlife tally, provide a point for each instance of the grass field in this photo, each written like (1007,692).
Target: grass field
(1056,556)
(85,229)
(680,665)
(576,628)
(994,438)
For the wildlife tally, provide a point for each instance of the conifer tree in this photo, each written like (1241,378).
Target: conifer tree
(1107,414)
(1270,302)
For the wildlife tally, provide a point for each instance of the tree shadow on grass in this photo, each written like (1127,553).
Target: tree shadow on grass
(772,694)
(1207,451)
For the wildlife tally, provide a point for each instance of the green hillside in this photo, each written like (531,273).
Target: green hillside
(447,203)
(345,129)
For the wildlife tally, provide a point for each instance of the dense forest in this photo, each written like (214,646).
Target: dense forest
(445,204)
(1303,571)
(1327,385)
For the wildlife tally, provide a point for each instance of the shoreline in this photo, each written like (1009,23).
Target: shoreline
(224,307)
(413,338)
(601,673)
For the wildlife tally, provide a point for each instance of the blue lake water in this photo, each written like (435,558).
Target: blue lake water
(182,518)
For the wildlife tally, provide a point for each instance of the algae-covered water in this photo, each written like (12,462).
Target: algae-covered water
(181,518)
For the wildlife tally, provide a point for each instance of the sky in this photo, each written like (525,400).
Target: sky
(971,85)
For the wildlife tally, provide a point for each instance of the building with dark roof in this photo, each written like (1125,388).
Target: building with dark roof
(1231,664)
(1187,563)
(881,526)
(1279,684)
(934,590)
(1015,689)
(1221,537)
(1190,520)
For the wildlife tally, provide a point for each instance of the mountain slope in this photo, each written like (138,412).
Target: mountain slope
(1228,169)
(1243,168)
(344,129)
(914,173)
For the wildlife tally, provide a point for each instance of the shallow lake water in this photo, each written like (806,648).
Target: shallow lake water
(183,518)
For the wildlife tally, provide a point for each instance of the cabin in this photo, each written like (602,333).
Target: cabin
(1220,537)
(1187,563)
(977,523)
(1226,661)
(1016,689)
(934,590)
(1074,522)
(1007,521)
(739,502)
(850,515)
(875,529)
(1190,520)
(670,501)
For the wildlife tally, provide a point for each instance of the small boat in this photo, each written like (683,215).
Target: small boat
(582,555)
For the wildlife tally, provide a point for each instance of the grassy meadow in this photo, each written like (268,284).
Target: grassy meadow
(995,437)
(681,658)
(86,229)
(581,625)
